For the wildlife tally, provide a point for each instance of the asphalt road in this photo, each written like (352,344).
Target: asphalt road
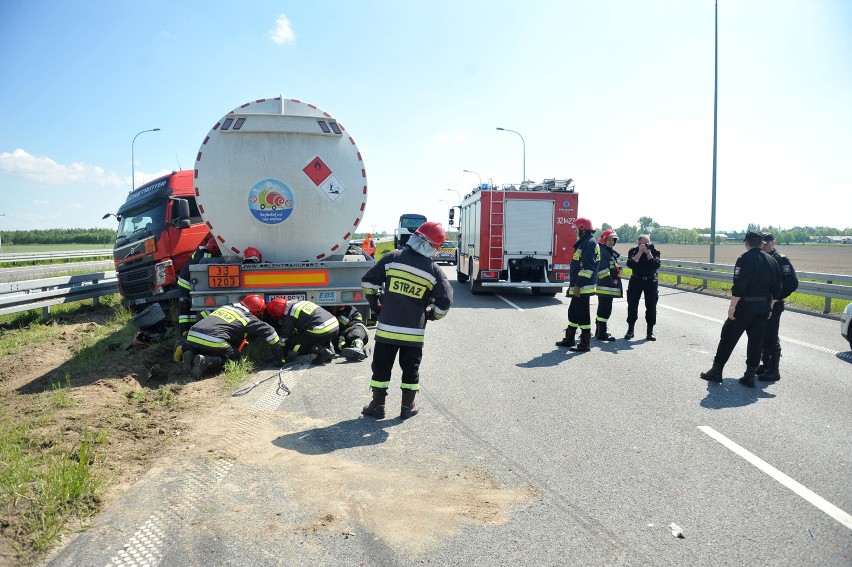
(23,273)
(523,454)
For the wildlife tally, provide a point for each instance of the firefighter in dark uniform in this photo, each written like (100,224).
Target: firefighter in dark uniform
(406,288)
(582,286)
(352,337)
(186,318)
(644,260)
(305,328)
(609,283)
(756,289)
(222,334)
(768,371)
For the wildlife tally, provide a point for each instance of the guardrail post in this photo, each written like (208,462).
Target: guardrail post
(827,301)
(45,312)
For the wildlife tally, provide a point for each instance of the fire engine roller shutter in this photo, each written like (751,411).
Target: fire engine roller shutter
(529,227)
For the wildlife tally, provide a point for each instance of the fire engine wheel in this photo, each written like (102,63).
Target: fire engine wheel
(461,277)
(475,284)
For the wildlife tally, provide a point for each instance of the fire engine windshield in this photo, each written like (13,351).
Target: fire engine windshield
(141,223)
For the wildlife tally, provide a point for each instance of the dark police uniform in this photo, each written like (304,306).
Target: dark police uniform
(642,280)
(771,343)
(757,281)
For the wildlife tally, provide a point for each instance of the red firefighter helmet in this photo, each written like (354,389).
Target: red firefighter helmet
(277,307)
(433,232)
(212,246)
(254,303)
(606,234)
(252,253)
(584,224)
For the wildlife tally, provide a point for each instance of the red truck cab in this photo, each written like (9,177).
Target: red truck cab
(159,228)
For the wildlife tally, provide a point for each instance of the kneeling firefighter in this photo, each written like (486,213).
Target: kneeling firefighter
(352,337)
(306,328)
(221,335)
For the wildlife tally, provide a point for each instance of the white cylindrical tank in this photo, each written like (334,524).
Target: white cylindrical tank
(284,177)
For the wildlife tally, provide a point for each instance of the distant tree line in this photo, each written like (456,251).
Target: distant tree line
(60,236)
(668,234)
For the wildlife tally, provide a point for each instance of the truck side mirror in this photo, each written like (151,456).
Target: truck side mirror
(452,215)
(182,219)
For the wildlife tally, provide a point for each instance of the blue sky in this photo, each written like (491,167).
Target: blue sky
(616,94)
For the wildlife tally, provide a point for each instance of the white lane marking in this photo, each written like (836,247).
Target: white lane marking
(509,302)
(782,478)
(721,321)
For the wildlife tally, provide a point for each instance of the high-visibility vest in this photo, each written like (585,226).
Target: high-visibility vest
(368,246)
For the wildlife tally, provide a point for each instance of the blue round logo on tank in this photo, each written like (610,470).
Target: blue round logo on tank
(270,201)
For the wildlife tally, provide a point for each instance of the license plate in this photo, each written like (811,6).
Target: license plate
(288,296)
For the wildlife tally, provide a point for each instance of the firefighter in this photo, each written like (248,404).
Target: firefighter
(756,290)
(352,337)
(221,335)
(609,283)
(644,260)
(768,371)
(406,288)
(305,328)
(186,318)
(583,281)
(368,246)
(252,255)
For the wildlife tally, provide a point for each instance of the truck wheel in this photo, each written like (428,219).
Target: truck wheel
(460,277)
(475,286)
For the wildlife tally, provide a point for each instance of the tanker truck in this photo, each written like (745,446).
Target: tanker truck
(285,178)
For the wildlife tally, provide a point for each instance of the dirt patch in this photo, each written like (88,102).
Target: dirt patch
(138,400)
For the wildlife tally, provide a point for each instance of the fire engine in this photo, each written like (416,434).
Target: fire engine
(518,236)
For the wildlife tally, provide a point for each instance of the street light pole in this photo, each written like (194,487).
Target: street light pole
(525,150)
(133,159)
(715,115)
(476,174)
(457,193)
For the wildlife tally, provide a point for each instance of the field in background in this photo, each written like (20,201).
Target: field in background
(827,259)
(21,248)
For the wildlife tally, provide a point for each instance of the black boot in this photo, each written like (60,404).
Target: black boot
(629,334)
(714,374)
(408,408)
(771,373)
(201,363)
(568,341)
(355,351)
(601,332)
(585,344)
(650,336)
(748,377)
(765,358)
(376,407)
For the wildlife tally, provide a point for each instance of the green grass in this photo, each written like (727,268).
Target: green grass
(43,482)
(21,248)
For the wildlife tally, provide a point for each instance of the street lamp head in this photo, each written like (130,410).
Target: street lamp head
(155,130)
(501,128)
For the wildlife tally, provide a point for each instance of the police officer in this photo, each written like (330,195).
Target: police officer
(222,334)
(756,289)
(186,318)
(306,328)
(768,371)
(609,283)
(406,288)
(583,281)
(644,260)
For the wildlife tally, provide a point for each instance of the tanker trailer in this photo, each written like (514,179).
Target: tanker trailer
(286,178)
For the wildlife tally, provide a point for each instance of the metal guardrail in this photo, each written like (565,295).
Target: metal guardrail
(826,287)
(33,294)
(41,256)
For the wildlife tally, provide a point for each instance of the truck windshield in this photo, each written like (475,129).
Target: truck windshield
(411,221)
(143,220)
